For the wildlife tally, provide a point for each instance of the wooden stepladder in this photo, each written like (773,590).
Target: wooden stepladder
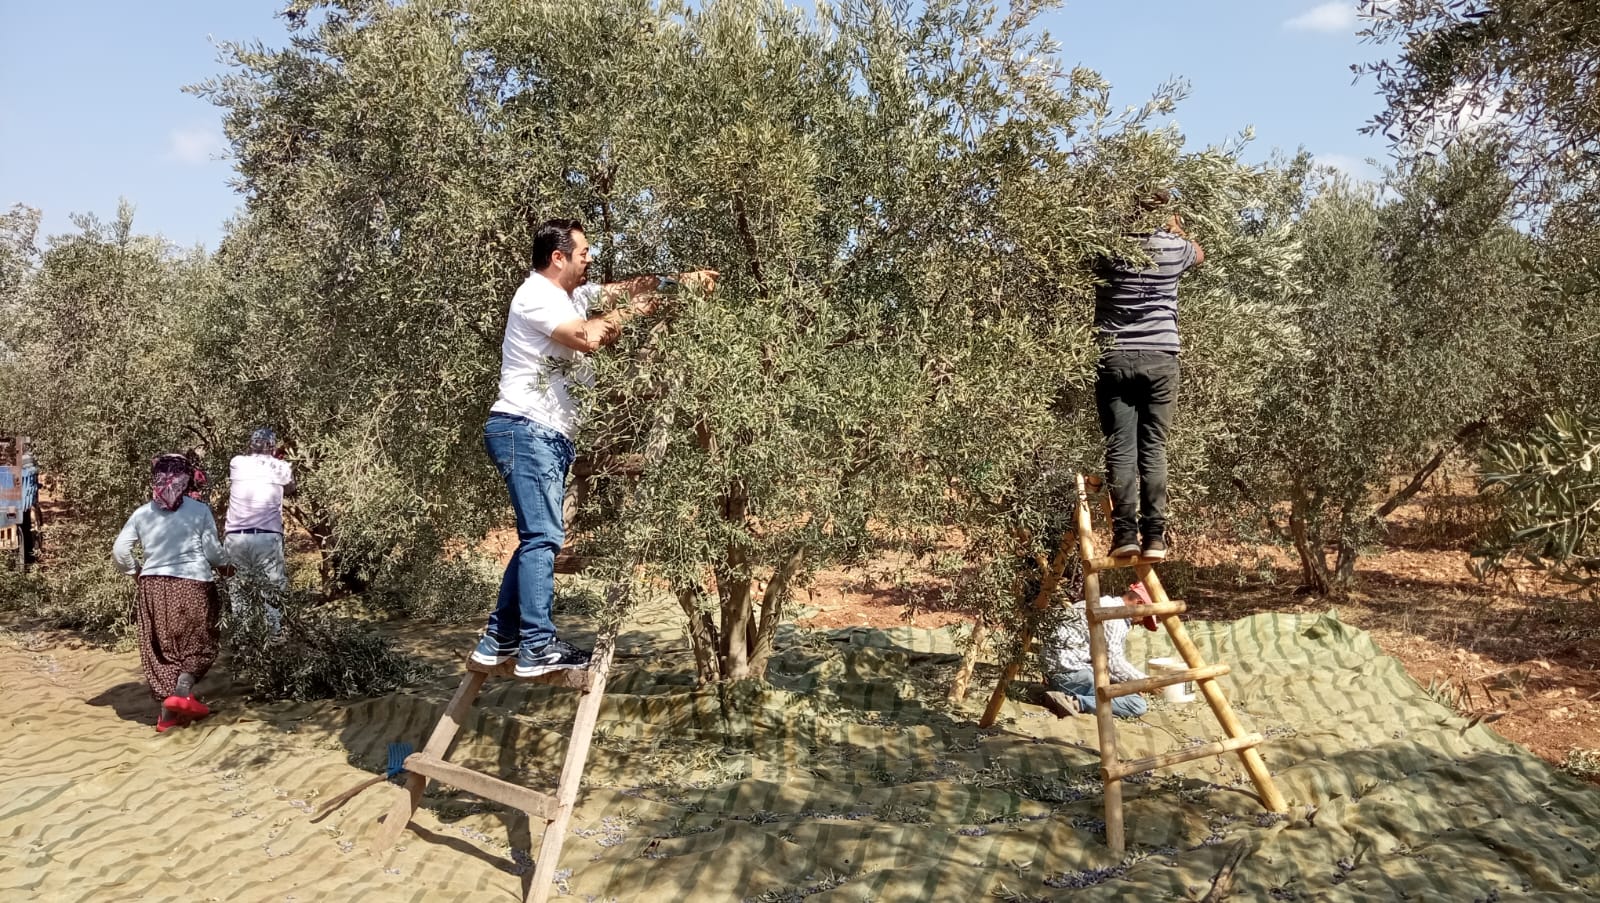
(1112,768)
(555,811)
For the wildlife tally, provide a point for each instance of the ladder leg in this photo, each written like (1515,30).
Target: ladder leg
(1050,572)
(1254,766)
(407,798)
(969,662)
(555,830)
(1105,721)
(991,714)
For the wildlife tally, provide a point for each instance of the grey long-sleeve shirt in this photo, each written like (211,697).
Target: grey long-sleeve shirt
(1065,648)
(181,543)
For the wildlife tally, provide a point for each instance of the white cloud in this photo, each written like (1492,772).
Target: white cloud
(195,145)
(1464,112)
(1325,17)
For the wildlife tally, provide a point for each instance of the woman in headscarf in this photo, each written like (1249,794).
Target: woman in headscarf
(177,607)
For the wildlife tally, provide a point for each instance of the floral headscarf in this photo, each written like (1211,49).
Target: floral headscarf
(169,478)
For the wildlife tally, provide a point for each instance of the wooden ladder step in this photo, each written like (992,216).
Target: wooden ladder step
(571,678)
(1135,612)
(1139,766)
(536,804)
(1130,687)
(1096,565)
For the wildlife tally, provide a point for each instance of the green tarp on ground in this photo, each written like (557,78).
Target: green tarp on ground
(848,779)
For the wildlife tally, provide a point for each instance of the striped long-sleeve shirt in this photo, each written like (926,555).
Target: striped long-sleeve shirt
(1136,307)
(1065,647)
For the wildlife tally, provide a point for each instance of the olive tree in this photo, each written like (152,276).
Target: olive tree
(901,198)
(101,328)
(1414,341)
(1525,73)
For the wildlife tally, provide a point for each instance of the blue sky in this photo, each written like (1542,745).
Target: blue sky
(91,106)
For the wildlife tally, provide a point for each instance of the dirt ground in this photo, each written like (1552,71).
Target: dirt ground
(1527,660)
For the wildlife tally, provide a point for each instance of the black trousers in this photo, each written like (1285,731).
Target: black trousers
(1135,392)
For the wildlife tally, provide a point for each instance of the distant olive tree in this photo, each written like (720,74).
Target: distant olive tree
(1415,338)
(1526,75)
(100,367)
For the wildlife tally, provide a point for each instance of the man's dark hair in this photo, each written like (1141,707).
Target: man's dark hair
(1157,198)
(553,235)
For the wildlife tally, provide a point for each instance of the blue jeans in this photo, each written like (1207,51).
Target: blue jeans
(1081,685)
(533,460)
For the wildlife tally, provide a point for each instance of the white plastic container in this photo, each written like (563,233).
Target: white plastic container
(1176,693)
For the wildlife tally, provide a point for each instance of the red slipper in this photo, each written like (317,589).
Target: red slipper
(166,724)
(187,706)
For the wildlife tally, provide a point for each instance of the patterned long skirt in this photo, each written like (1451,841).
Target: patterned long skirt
(178,632)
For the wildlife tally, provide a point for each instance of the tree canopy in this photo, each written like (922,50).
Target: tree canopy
(907,202)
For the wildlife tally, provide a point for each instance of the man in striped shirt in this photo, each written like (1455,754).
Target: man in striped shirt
(1068,669)
(1136,380)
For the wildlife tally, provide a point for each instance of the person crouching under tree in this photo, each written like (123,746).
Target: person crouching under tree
(1069,670)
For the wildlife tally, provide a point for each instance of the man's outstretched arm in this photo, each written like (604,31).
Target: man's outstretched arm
(637,297)
(1175,226)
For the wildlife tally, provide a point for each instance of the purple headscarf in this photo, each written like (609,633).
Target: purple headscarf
(169,478)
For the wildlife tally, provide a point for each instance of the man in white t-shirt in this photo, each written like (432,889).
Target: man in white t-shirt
(257,484)
(549,333)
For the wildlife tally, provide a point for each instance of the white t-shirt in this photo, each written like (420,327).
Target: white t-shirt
(537,373)
(255,492)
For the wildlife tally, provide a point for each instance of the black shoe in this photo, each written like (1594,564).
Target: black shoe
(1124,544)
(1154,547)
(557,655)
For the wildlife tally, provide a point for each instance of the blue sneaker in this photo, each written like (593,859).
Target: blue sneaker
(558,655)
(490,651)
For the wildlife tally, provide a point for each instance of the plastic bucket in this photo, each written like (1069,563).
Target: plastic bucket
(1179,692)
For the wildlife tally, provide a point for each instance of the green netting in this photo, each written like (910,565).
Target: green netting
(849,769)
(846,779)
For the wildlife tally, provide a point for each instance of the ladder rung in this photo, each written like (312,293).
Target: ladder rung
(1121,770)
(536,804)
(1096,565)
(1130,687)
(1135,612)
(572,678)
